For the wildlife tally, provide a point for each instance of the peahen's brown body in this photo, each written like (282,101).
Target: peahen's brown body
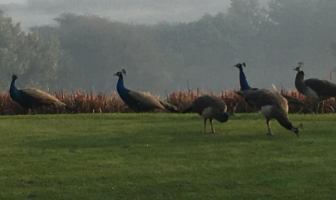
(314,89)
(271,104)
(209,107)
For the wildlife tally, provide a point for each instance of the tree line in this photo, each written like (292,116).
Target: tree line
(84,51)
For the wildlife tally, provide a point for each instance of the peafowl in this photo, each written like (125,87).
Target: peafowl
(272,105)
(209,107)
(31,97)
(242,78)
(140,101)
(245,86)
(315,90)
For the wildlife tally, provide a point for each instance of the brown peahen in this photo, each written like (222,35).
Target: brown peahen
(272,105)
(209,107)
(314,89)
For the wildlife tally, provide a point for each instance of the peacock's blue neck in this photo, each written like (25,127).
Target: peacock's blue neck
(243,82)
(13,91)
(121,88)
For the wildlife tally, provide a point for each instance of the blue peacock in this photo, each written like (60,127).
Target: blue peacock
(140,101)
(242,78)
(31,97)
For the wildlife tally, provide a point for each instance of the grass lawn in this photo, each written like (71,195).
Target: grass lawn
(165,156)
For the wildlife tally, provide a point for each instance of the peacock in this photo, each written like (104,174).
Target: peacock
(272,105)
(209,107)
(242,78)
(245,86)
(140,101)
(31,97)
(314,89)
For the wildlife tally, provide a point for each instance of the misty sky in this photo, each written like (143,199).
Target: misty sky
(12,1)
(42,12)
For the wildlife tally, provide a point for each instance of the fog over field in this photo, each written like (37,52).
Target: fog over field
(42,12)
(163,45)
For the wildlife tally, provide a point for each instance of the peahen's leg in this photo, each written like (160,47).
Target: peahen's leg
(269,127)
(205,120)
(212,128)
(318,106)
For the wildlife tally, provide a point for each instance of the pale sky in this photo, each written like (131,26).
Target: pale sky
(12,1)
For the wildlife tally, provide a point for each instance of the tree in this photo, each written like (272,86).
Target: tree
(34,60)
(304,27)
(97,48)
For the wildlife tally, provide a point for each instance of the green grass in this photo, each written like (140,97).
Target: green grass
(165,156)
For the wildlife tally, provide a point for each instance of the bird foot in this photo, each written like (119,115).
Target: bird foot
(269,134)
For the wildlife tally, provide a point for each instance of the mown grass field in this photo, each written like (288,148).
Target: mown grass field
(165,156)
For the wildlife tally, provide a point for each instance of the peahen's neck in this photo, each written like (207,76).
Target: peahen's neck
(243,82)
(299,82)
(284,121)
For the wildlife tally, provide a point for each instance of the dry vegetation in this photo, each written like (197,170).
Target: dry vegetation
(89,102)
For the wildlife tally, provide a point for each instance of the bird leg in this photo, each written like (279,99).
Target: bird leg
(322,111)
(318,105)
(205,120)
(269,128)
(212,128)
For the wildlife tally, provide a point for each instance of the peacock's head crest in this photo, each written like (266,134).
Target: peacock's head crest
(14,77)
(299,67)
(240,65)
(120,74)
